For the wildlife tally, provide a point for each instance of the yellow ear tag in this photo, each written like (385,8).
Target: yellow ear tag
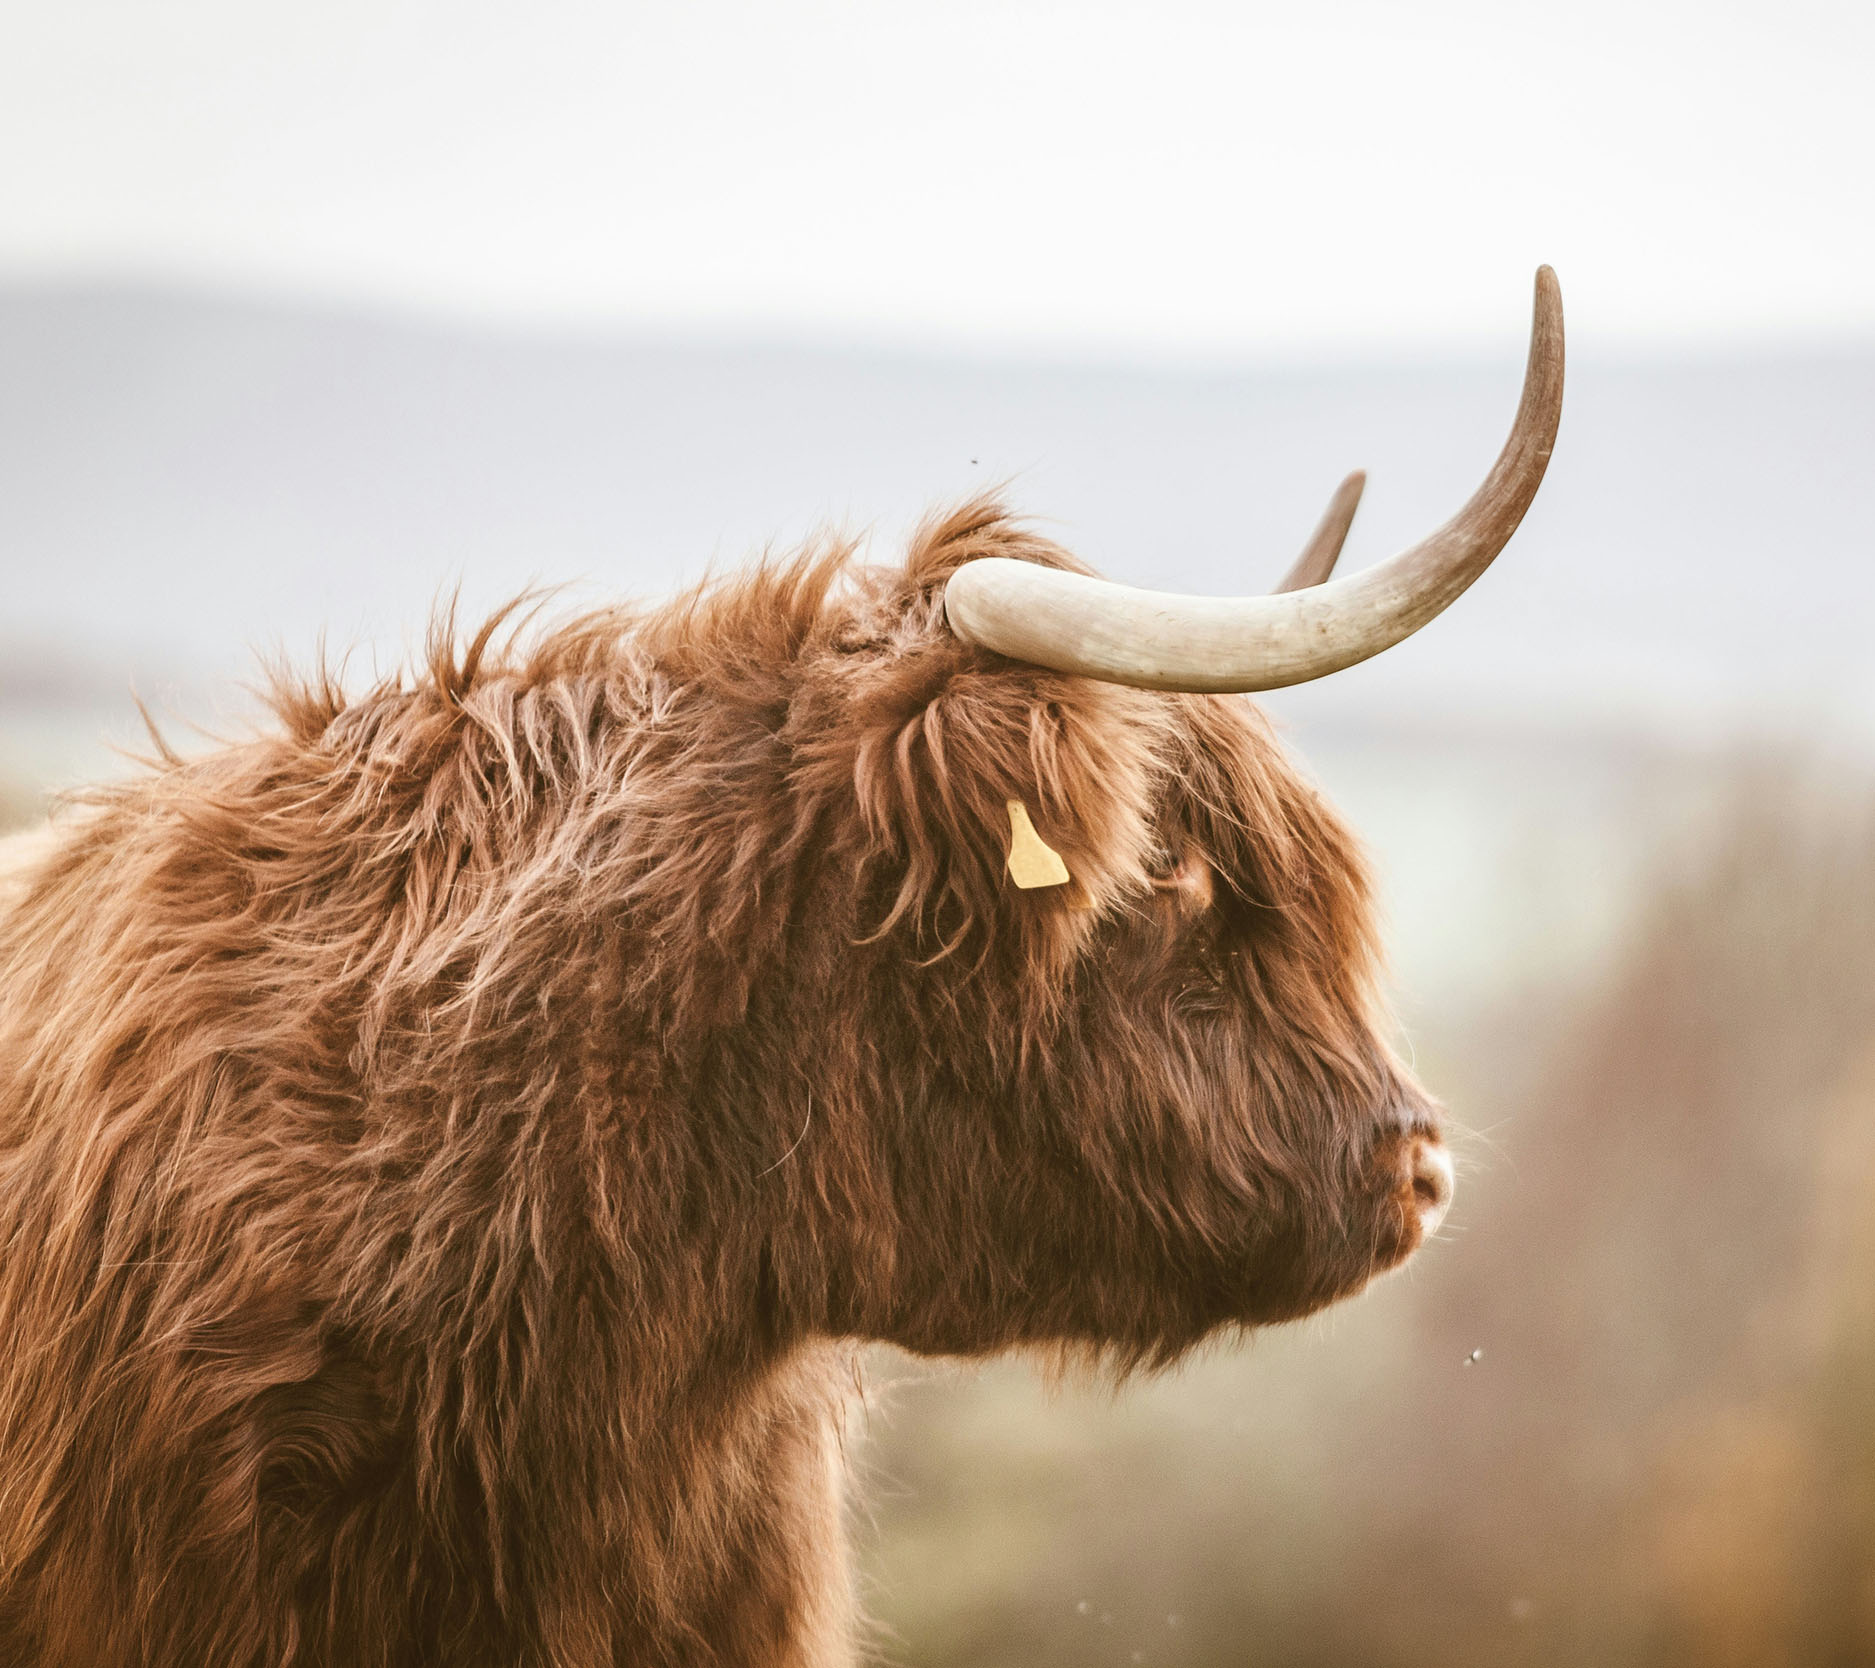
(1032,862)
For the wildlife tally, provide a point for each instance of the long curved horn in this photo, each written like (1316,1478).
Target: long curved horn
(1155,640)
(1319,555)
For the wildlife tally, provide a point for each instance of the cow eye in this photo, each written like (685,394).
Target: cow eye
(1185,874)
(1162,863)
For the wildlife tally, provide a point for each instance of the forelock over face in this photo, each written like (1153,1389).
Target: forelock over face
(1119,1112)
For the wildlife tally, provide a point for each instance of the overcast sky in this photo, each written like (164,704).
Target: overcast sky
(1230,180)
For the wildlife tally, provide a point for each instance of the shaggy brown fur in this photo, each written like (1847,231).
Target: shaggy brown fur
(448,1146)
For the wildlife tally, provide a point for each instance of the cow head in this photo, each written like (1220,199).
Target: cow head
(1154,1097)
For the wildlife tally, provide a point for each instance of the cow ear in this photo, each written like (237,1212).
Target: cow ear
(980,788)
(936,738)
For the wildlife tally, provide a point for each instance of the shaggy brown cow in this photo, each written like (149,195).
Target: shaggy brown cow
(449,1145)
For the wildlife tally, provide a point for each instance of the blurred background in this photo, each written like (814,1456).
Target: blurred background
(309,314)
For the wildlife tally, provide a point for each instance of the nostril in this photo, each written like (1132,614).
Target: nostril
(1432,1182)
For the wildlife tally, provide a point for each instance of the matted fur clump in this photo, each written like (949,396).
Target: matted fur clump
(448,1145)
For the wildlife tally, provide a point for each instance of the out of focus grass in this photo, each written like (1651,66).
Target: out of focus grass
(1665,1249)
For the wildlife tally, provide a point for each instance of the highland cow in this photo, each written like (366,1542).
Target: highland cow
(451,1145)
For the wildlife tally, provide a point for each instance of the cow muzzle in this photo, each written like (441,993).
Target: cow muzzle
(1412,1171)
(1431,1172)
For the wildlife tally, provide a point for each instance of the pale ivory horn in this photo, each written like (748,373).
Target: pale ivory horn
(1319,555)
(1155,640)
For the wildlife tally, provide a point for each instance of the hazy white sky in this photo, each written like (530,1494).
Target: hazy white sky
(1205,179)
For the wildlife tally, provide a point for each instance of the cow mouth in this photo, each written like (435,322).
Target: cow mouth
(1405,1192)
